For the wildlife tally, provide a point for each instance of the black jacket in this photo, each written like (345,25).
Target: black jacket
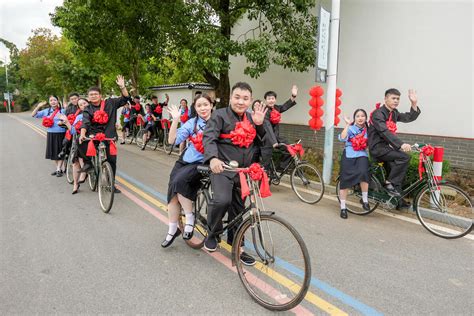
(274,136)
(111,106)
(381,140)
(223,121)
(71,109)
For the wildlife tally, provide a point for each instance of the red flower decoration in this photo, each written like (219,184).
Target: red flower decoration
(197,142)
(149,118)
(158,109)
(359,142)
(256,173)
(275,117)
(243,134)
(99,137)
(164,123)
(71,118)
(184,118)
(426,151)
(100,117)
(296,149)
(48,122)
(137,107)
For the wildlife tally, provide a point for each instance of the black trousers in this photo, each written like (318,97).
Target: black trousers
(226,198)
(398,163)
(267,153)
(82,150)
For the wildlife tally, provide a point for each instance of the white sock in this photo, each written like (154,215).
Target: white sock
(189,221)
(365,197)
(173,227)
(343,204)
(58,168)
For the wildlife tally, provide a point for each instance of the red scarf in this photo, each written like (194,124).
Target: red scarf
(243,133)
(275,117)
(49,120)
(72,117)
(184,118)
(256,173)
(359,142)
(101,116)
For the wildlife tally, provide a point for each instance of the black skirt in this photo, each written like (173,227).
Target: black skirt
(185,180)
(54,144)
(353,171)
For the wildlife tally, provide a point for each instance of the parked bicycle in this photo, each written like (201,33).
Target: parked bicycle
(305,179)
(444,209)
(269,239)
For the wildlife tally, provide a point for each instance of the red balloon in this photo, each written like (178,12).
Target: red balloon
(316,91)
(338,92)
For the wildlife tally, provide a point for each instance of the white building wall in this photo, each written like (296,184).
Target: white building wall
(426,45)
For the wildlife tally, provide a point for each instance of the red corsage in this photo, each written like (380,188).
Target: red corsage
(158,109)
(256,173)
(197,142)
(101,116)
(49,120)
(359,142)
(275,117)
(391,125)
(137,107)
(184,118)
(426,151)
(243,134)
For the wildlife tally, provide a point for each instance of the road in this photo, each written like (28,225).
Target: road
(61,254)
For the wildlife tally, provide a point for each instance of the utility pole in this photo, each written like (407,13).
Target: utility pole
(8,92)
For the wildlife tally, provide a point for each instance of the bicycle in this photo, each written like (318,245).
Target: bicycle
(101,177)
(269,239)
(445,210)
(70,160)
(134,130)
(166,125)
(305,179)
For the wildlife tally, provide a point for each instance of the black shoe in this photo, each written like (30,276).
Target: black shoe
(53,173)
(86,168)
(76,190)
(210,244)
(402,204)
(167,243)
(188,235)
(247,259)
(344,213)
(122,142)
(365,205)
(116,190)
(391,190)
(59,173)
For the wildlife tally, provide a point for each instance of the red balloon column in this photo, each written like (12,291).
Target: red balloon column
(316,102)
(338,109)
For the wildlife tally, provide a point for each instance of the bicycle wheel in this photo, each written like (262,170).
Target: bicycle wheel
(132,135)
(69,169)
(354,198)
(307,183)
(200,215)
(167,146)
(106,187)
(93,175)
(446,212)
(280,254)
(139,139)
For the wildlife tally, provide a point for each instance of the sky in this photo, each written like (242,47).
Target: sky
(19,17)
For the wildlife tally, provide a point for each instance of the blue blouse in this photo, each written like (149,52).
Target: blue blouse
(55,128)
(183,133)
(146,119)
(352,131)
(124,112)
(73,129)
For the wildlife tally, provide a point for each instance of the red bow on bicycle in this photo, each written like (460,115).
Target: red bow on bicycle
(426,151)
(243,133)
(295,149)
(164,123)
(91,151)
(256,173)
(49,120)
(275,117)
(101,116)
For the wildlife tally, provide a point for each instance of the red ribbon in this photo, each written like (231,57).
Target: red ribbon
(68,135)
(91,151)
(243,133)
(165,122)
(78,126)
(49,120)
(101,116)
(391,125)
(197,142)
(295,149)
(426,151)
(359,142)
(275,117)
(184,118)
(256,173)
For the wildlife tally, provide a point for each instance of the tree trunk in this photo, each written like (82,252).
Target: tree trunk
(223,88)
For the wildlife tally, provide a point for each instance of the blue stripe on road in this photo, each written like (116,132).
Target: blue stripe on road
(343,297)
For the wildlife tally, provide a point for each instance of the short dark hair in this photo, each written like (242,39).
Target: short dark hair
(270,94)
(184,101)
(137,97)
(204,95)
(242,86)
(94,88)
(392,91)
(73,94)
(154,97)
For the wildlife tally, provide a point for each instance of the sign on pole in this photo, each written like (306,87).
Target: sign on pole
(323,45)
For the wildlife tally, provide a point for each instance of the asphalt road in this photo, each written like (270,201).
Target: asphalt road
(61,254)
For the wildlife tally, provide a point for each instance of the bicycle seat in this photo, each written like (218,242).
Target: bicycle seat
(204,169)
